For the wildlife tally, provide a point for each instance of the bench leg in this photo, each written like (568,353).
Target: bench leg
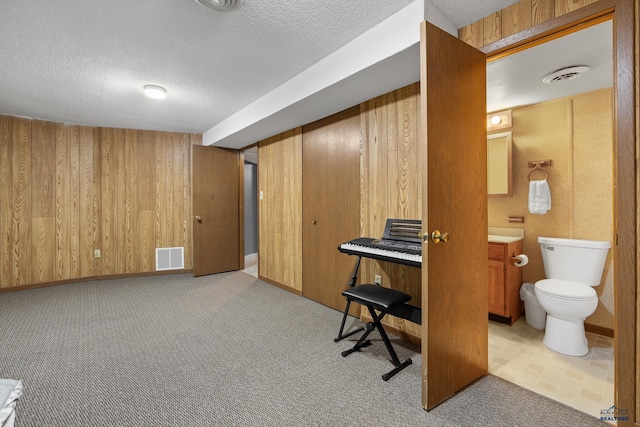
(362,342)
(344,320)
(377,322)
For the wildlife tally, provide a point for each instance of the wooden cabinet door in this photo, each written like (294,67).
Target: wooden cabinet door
(496,288)
(330,205)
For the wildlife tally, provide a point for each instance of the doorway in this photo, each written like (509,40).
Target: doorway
(624,235)
(251,196)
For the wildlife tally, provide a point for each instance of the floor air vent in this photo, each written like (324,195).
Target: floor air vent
(169,258)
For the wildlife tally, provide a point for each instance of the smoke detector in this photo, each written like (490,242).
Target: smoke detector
(563,74)
(221,5)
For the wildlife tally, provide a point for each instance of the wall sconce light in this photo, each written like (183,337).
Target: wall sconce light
(499,120)
(155,92)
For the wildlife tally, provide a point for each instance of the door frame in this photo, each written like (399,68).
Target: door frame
(625,174)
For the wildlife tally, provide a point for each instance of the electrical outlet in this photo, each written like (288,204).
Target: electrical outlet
(378,279)
(96,253)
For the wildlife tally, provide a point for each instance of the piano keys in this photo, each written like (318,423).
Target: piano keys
(400,243)
(385,250)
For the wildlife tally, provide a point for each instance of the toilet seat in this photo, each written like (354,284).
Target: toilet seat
(564,289)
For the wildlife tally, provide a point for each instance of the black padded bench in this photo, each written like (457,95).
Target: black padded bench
(376,297)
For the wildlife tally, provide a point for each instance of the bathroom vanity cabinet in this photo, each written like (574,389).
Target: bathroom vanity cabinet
(505,280)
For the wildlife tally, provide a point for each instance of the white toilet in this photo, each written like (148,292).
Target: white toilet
(572,268)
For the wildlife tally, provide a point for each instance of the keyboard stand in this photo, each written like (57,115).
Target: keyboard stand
(352,283)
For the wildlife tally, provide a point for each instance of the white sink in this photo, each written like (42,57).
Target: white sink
(505,234)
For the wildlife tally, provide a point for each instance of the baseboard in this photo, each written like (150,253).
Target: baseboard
(280,285)
(600,330)
(94,278)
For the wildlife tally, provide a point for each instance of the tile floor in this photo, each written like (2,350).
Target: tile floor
(517,354)
(251,264)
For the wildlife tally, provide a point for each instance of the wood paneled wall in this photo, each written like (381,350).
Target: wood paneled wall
(518,17)
(391,184)
(67,190)
(280,211)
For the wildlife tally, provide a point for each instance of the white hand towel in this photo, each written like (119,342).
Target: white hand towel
(539,197)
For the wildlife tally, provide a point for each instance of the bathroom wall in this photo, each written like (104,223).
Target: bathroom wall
(576,134)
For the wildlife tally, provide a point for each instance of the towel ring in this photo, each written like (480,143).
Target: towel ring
(537,166)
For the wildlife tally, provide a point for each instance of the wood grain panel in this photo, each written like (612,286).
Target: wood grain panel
(6,255)
(43,245)
(120,241)
(97,198)
(280,209)
(542,11)
(43,172)
(516,17)
(86,202)
(109,200)
(21,201)
(130,209)
(473,33)
(391,185)
(161,189)
(177,209)
(66,190)
(5,152)
(6,205)
(168,192)
(63,200)
(146,195)
(74,199)
(565,6)
(492,27)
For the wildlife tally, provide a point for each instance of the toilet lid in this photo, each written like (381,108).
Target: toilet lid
(564,289)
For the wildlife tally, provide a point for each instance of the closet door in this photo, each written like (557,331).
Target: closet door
(330,205)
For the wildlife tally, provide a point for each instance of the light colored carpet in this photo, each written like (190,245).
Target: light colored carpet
(222,350)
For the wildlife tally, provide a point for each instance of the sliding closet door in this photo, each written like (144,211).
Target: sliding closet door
(330,204)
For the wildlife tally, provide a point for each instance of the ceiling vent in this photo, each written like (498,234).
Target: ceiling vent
(563,74)
(221,5)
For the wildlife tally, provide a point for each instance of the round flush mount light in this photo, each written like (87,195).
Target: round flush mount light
(155,92)
(564,74)
(221,5)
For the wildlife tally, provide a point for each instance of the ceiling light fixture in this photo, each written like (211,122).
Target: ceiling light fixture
(155,92)
(563,74)
(221,5)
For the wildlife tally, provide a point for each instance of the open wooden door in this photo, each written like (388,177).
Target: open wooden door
(454,267)
(217,177)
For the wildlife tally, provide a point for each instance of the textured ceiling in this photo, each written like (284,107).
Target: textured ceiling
(85,61)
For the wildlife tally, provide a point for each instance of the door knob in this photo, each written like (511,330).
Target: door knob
(436,236)
(314,222)
(199,218)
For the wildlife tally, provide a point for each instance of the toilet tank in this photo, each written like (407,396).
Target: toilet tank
(574,260)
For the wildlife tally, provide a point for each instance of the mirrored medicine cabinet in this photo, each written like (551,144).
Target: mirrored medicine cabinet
(499,165)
